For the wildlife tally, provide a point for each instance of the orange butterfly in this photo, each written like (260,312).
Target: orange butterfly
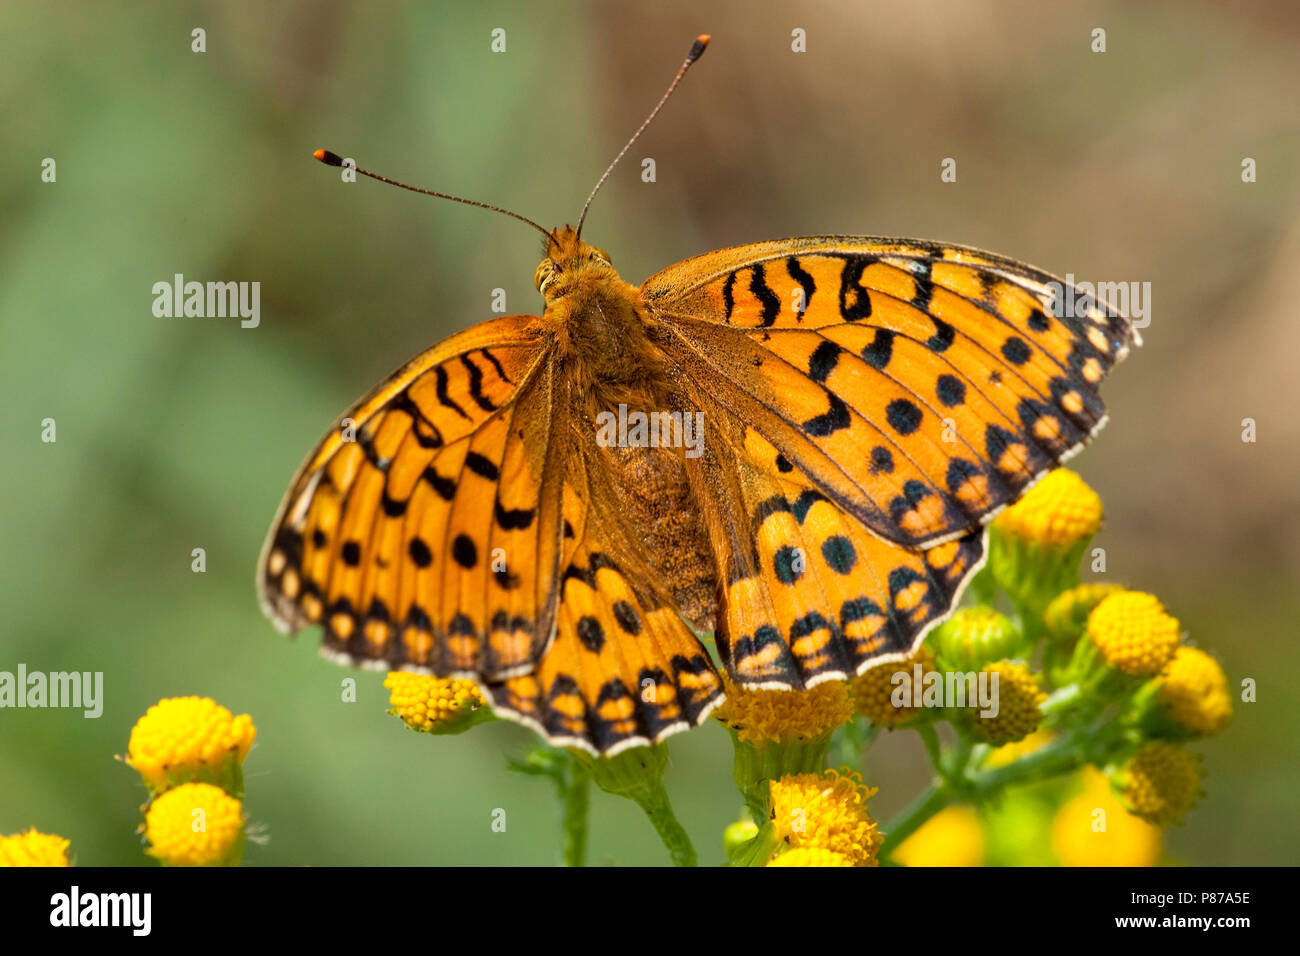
(533,503)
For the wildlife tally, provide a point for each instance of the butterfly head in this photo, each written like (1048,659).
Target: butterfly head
(570,261)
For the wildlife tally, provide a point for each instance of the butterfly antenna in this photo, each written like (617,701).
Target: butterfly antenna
(334,159)
(697,48)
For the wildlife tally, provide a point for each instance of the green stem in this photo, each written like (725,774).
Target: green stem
(654,801)
(1062,699)
(1057,757)
(575,796)
(571,777)
(953,766)
(758,850)
(931,741)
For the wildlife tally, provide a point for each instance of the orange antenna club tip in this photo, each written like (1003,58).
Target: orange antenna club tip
(328,158)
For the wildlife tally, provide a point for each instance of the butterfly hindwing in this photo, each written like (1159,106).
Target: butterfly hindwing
(809,592)
(923,387)
(403,531)
(624,668)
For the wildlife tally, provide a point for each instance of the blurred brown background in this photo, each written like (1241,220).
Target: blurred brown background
(183,433)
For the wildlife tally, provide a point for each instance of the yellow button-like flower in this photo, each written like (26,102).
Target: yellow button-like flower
(1069,610)
(195,824)
(762,715)
(952,837)
(1161,782)
(810,856)
(432,704)
(1010,753)
(1094,829)
(1195,689)
(1018,701)
(1133,633)
(873,690)
(828,811)
(181,737)
(1058,512)
(33,848)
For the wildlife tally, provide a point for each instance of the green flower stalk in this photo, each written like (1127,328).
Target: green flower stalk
(637,773)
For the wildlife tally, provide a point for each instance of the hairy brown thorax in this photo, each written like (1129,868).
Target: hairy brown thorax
(602,332)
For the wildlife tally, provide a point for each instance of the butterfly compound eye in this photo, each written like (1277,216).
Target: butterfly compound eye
(544,270)
(600,255)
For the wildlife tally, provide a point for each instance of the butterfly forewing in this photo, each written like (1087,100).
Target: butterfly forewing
(921,387)
(403,531)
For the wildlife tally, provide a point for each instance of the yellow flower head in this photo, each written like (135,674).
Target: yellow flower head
(810,856)
(1094,829)
(1195,689)
(180,737)
(1133,633)
(826,810)
(760,715)
(952,837)
(432,704)
(873,690)
(33,848)
(1161,783)
(1068,612)
(1058,512)
(1018,700)
(195,824)
(1010,753)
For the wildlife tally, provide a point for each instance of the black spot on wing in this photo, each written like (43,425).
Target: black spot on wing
(444,487)
(476,385)
(951,390)
(420,553)
(944,335)
(1015,350)
(803,278)
(497,365)
(804,503)
(903,416)
(881,349)
(768,300)
(464,551)
(513,519)
(924,285)
(835,418)
(882,461)
(591,634)
(787,564)
(823,361)
(440,389)
(855,302)
(483,467)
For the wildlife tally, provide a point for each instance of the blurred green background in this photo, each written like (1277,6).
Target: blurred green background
(182,433)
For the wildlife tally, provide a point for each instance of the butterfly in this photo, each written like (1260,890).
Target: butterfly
(796,446)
